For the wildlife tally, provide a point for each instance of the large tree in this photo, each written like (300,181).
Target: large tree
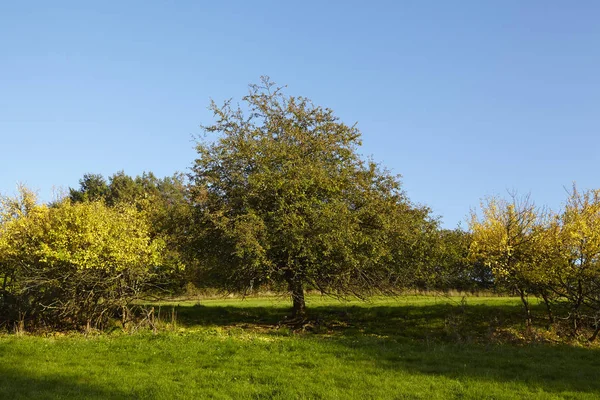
(283,200)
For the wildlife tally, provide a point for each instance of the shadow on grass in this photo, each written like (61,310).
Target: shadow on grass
(19,384)
(437,322)
(454,341)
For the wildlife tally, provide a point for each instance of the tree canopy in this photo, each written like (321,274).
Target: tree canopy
(283,199)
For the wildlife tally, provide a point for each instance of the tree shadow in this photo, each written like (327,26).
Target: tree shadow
(440,322)
(230,316)
(22,384)
(451,340)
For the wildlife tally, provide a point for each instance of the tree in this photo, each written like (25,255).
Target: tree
(11,209)
(92,187)
(508,239)
(574,256)
(122,188)
(283,200)
(450,266)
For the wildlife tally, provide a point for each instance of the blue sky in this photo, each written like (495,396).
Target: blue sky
(462,98)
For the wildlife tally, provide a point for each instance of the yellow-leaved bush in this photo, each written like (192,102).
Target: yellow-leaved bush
(74,265)
(94,236)
(553,256)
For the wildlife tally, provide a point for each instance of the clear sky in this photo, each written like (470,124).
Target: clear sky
(462,98)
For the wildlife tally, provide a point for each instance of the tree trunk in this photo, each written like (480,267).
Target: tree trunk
(4,283)
(299,305)
(596,331)
(527,310)
(548,308)
(576,307)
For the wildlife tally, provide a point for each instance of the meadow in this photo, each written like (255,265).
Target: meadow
(414,347)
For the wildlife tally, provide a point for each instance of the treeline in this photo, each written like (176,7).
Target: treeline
(279,199)
(85,260)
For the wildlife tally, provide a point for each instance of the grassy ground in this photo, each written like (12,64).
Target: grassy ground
(408,348)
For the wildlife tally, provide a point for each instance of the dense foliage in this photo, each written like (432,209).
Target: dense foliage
(74,265)
(162,202)
(283,200)
(553,256)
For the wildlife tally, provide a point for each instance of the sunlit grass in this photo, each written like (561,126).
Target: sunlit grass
(414,347)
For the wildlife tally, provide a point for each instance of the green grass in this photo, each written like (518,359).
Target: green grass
(408,348)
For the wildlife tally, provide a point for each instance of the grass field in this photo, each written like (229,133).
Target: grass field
(407,348)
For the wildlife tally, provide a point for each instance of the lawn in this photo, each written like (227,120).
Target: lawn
(406,348)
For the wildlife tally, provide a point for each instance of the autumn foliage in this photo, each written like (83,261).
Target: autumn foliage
(554,256)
